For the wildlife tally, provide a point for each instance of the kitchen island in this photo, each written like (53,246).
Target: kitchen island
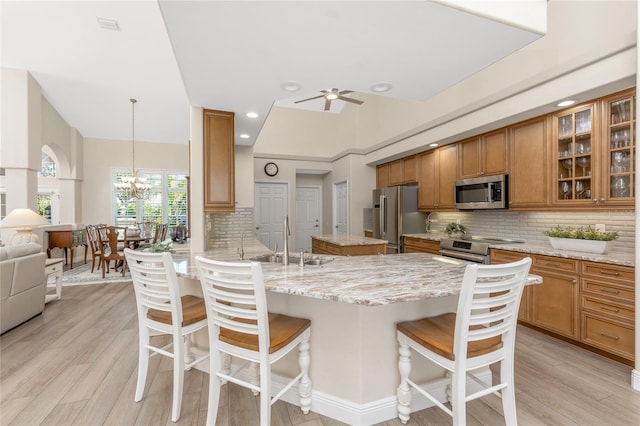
(347,245)
(354,304)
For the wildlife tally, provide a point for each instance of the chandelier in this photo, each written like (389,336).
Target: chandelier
(134,186)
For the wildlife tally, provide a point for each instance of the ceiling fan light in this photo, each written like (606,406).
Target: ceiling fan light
(331,96)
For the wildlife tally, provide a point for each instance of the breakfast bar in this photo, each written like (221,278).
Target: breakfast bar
(354,304)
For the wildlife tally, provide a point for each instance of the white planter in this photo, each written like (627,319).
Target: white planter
(574,244)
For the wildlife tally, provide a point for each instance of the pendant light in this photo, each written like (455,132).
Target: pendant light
(132,187)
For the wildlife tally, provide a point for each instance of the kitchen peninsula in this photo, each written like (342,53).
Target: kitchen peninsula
(354,304)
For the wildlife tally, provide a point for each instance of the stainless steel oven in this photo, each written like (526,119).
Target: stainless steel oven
(474,249)
(465,250)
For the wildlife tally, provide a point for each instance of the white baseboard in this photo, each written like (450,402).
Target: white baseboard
(360,414)
(635,379)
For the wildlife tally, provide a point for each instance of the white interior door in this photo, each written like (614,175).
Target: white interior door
(341,208)
(271,202)
(308,213)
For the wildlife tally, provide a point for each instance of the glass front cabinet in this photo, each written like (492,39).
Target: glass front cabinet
(594,153)
(619,149)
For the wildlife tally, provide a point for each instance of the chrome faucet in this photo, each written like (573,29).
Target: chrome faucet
(285,249)
(241,248)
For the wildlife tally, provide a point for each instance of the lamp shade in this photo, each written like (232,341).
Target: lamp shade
(23,218)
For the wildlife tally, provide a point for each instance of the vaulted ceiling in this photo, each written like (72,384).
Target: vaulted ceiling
(238,55)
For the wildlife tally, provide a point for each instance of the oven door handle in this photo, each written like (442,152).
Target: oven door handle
(478,258)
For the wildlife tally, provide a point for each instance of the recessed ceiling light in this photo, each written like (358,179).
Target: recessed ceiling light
(381,87)
(290,86)
(108,24)
(566,103)
(433,145)
(244,136)
(252,114)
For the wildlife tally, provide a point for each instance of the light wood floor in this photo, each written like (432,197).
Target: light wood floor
(76,365)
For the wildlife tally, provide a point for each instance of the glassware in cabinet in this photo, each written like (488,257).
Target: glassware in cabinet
(574,147)
(621,148)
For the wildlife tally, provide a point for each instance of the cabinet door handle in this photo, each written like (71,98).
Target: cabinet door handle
(609,290)
(611,336)
(574,281)
(608,309)
(611,273)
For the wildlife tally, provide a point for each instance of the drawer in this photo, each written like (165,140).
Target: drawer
(420,243)
(607,308)
(615,337)
(610,272)
(608,290)
(555,263)
(505,256)
(51,269)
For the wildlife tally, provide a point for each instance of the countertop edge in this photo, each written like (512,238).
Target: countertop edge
(540,247)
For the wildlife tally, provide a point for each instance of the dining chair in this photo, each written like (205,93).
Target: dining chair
(241,326)
(94,246)
(111,247)
(161,233)
(163,310)
(480,333)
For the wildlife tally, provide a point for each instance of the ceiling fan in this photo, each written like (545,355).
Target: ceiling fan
(332,95)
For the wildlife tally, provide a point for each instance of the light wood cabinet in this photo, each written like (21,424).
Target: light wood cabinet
(420,245)
(594,154)
(607,308)
(400,172)
(574,151)
(554,303)
(396,172)
(483,155)
(529,165)
(503,256)
(437,172)
(325,247)
(219,161)
(617,185)
(590,302)
(382,176)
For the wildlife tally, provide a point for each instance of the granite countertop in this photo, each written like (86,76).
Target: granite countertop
(364,280)
(544,248)
(348,240)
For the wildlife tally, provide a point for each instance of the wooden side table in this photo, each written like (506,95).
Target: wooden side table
(53,269)
(68,239)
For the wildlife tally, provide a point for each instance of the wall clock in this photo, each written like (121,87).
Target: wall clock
(271,169)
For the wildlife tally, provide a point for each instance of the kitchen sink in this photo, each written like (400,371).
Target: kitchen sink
(293,260)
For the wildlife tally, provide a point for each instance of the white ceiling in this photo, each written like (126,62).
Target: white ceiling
(235,55)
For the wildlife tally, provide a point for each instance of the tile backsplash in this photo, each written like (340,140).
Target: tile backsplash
(530,225)
(222,228)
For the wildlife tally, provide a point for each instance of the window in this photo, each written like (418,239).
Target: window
(47,167)
(44,206)
(165,203)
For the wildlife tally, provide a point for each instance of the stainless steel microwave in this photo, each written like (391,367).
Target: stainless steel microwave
(483,193)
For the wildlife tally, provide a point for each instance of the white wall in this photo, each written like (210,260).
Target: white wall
(102,155)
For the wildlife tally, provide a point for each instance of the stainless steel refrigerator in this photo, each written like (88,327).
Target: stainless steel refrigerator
(395,212)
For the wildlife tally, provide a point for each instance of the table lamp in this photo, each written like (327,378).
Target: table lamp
(24,220)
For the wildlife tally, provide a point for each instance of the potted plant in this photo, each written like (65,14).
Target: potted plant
(455,228)
(587,239)
(162,246)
